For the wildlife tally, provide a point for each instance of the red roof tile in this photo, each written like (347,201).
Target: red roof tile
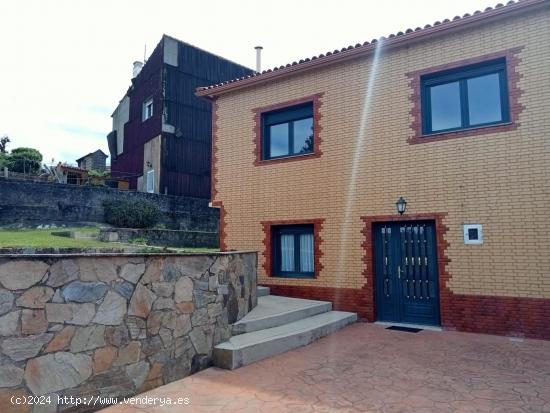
(351,52)
(72,168)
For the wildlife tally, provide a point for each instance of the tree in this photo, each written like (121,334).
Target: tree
(4,140)
(308,144)
(24,160)
(97,177)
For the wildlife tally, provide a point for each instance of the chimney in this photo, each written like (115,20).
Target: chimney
(137,68)
(258,58)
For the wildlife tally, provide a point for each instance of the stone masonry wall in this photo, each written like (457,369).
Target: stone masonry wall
(113,325)
(36,203)
(163,237)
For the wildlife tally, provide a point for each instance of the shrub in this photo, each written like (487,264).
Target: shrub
(97,178)
(138,240)
(131,214)
(98,174)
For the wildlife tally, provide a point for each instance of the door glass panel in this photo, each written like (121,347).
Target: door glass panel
(423,262)
(306,253)
(417,269)
(278,140)
(484,104)
(445,106)
(287,252)
(303,136)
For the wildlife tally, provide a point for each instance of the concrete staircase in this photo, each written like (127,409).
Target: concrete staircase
(276,325)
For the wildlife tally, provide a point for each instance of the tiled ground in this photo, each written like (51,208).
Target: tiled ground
(365,368)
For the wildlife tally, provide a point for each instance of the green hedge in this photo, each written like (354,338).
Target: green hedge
(131,214)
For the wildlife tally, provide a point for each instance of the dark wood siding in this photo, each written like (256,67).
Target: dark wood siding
(186,166)
(146,85)
(186,155)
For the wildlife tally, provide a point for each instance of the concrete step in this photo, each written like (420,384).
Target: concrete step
(248,348)
(262,291)
(274,311)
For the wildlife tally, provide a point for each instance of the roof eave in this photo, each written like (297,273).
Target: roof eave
(415,36)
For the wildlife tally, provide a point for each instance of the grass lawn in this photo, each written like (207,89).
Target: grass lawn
(44,238)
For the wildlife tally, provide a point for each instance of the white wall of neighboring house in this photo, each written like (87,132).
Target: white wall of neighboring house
(151,162)
(120,116)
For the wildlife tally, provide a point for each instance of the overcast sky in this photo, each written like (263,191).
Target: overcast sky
(65,64)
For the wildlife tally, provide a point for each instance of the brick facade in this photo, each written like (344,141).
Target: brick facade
(496,177)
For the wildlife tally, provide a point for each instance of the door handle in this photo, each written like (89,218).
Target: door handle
(399,271)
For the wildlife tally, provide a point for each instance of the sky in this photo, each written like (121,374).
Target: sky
(65,64)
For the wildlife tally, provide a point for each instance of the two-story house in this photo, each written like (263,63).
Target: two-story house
(405,179)
(94,161)
(161,137)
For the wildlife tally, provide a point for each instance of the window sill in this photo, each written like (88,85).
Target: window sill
(295,276)
(288,158)
(462,133)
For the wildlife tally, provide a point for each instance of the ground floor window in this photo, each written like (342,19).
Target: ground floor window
(293,251)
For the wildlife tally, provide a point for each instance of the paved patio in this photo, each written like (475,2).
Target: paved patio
(366,368)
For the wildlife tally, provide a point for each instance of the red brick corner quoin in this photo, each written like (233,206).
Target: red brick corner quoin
(514,92)
(268,238)
(214,177)
(214,163)
(258,130)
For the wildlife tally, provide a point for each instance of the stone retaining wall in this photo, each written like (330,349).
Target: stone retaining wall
(28,203)
(114,325)
(163,237)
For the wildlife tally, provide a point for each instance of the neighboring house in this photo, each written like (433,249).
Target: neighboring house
(310,159)
(161,138)
(94,161)
(69,174)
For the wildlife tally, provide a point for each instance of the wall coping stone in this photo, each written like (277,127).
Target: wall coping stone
(114,229)
(126,254)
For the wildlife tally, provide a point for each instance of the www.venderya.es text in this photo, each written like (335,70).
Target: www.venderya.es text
(100,400)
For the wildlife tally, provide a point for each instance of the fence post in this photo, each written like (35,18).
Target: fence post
(6,172)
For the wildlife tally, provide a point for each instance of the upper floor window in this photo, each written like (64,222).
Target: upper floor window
(288,131)
(467,97)
(147,109)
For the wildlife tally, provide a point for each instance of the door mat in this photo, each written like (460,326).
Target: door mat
(405,329)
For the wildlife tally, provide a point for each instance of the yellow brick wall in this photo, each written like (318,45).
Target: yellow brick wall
(501,180)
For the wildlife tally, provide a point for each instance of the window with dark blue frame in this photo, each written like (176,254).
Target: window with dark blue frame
(288,132)
(464,98)
(294,251)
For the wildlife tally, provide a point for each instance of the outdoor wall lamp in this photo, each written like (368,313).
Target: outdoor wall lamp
(401,205)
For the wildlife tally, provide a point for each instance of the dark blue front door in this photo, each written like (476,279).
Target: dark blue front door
(407,289)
